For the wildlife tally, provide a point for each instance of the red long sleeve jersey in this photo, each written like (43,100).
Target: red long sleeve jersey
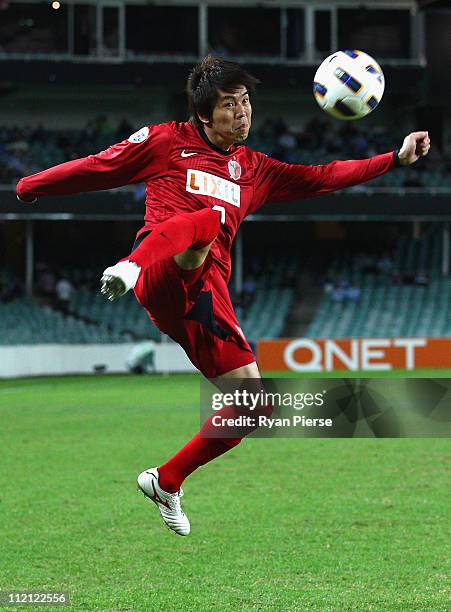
(184,172)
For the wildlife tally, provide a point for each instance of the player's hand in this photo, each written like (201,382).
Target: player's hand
(415,145)
(22,195)
(25,201)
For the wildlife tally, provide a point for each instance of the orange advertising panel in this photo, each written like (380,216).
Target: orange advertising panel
(377,354)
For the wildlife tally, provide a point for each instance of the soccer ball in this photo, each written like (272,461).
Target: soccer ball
(349,84)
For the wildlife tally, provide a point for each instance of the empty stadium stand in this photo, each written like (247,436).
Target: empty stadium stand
(93,319)
(386,309)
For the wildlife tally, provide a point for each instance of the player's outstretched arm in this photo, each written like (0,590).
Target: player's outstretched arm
(278,181)
(127,162)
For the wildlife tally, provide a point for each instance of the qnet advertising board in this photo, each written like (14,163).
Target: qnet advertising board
(371,354)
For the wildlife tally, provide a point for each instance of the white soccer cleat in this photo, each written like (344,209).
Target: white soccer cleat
(168,503)
(117,280)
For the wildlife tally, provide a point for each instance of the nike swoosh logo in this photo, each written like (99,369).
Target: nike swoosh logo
(183,154)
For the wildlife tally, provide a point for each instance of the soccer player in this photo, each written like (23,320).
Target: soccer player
(201,183)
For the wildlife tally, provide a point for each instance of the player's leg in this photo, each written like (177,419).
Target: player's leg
(163,485)
(210,443)
(221,352)
(247,371)
(202,449)
(200,317)
(187,237)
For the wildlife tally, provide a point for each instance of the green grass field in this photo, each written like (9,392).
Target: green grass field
(299,524)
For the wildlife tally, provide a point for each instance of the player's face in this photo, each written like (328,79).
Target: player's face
(231,118)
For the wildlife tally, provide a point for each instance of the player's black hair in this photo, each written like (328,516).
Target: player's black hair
(212,74)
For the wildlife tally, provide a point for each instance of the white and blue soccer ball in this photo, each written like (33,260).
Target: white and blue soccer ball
(349,84)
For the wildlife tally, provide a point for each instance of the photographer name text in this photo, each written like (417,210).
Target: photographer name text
(268,422)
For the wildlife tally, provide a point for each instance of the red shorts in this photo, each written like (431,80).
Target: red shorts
(193,307)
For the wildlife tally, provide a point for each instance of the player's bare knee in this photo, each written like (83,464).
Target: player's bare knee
(192,258)
(248,371)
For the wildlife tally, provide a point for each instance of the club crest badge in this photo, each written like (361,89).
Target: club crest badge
(140,135)
(234,169)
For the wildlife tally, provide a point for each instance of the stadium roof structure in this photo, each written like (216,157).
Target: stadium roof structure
(204,37)
(379,4)
(403,204)
(434,4)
